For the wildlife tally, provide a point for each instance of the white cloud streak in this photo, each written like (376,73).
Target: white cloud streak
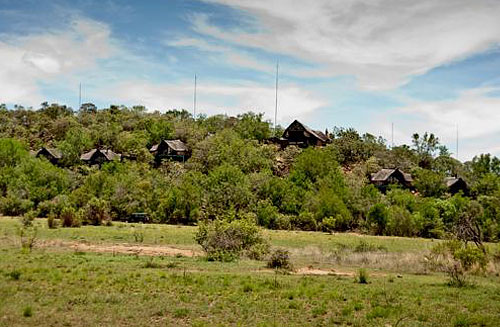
(475,113)
(381,42)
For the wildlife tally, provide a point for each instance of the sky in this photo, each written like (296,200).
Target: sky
(375,65)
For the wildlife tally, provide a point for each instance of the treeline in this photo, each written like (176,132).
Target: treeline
(234,174)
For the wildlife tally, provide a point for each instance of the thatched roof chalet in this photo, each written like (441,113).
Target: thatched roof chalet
(51,154)
(456,184)
(301,135)
(99,156)
(389,176)
(172,149)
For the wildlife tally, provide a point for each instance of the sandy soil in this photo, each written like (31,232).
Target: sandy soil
(123,248)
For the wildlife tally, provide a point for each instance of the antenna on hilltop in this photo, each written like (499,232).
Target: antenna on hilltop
(80,97)
(457,145)
(276,102)
(194,98)
(392,135)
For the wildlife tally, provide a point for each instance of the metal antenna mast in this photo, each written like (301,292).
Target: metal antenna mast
(276,102)
(80,97)
(194,100)
(457,144)
(392,135)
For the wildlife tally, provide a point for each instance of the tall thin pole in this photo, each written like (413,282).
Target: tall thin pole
(392,135)
(276,102)
(194,100)
(80,97)
(457,144)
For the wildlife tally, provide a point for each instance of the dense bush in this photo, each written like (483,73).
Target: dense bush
(96,212)
(234,173)
(457,259)
(226,241)
(279,259)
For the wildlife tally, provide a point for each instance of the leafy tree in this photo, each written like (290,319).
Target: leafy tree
(425,147)
(429,183)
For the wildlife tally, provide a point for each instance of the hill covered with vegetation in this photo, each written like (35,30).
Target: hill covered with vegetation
(234,173)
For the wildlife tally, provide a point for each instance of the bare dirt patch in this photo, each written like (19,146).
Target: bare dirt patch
(124,248)
(322,272)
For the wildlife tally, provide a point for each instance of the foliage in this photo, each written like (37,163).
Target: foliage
(69,217)
(457,258)
(362,276)
(96,212)
(227,241)
(234,172)
(279,259)
(429,183)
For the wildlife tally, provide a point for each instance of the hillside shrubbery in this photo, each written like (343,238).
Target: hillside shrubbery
(233,173)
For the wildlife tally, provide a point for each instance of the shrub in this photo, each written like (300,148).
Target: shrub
(364,246)
(328,224)
(378,217)
(304,221)
(28,217)
(283,222)
(96,212)
(280,259)
(14,274)
(12,205)
(28,311)
(267,214)
(457,259)
(226,241)
(362,276)
(69,217)
(28,237)
(51,221)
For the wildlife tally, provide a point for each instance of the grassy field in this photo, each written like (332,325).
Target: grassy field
(58,284)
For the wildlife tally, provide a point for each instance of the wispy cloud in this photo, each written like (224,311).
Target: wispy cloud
(382,43)
(231,55)
(474,112)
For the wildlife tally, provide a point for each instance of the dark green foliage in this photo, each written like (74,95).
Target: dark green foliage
(14,274)
(378,217)
(429,183)
(279,259)
(233,173)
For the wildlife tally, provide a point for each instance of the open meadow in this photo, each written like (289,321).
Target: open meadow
(156,275)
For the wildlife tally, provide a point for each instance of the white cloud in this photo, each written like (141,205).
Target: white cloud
(233,56)
(27,60)
(382,42)
(475,113)
(215,99)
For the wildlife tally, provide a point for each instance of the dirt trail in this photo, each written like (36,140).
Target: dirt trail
(151,250)
(124,248)
(322,272)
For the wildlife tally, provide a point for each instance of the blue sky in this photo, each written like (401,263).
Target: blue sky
(423,65)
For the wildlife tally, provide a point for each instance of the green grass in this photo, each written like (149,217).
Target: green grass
(62,287)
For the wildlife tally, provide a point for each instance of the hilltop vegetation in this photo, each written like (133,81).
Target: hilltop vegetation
(232,173)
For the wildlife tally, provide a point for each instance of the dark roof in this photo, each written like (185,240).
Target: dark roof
(176,145)
(56,153)
(319,135)
(383,175)
(450,181)
(110,155)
